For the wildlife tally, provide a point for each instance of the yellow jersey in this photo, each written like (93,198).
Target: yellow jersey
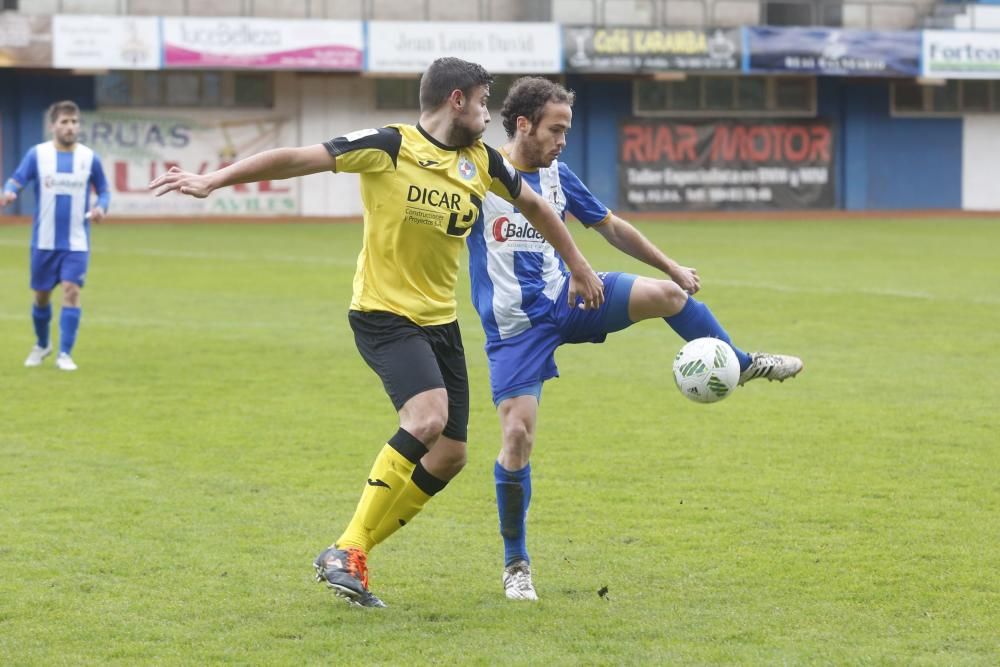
(420,198)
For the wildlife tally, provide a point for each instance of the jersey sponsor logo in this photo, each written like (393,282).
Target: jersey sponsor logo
(505,229)
(435,198)
(427,163)
(466,169)
(64,181)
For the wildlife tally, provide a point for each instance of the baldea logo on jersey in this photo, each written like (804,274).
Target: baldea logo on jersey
(466,169)
(505,229)
(64,182)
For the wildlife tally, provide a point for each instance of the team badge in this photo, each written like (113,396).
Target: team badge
(466,169)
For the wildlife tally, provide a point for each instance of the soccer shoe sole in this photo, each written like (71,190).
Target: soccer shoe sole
(349,595)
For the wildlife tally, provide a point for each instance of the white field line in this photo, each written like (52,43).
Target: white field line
(213,256)
(97,320)
(867,291)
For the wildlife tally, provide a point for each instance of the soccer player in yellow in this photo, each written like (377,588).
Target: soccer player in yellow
(422,187)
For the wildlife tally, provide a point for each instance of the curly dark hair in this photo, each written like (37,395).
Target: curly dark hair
(528,96)
(448,74)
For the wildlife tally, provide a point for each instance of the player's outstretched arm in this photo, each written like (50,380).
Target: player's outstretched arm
(622,235)
(272,165)
(583,282)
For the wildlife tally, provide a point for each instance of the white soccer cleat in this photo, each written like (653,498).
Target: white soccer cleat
(517,581)
(778,367)
(64,362)
(37,356)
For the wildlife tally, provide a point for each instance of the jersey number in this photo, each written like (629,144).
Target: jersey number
(453,228)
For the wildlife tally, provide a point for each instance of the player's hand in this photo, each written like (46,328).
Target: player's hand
(587,288)
(7,198)
(96,214)
(687,278)
(184,182)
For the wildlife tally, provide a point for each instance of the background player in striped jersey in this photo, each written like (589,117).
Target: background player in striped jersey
(62,172)
(518,288)
(422,186)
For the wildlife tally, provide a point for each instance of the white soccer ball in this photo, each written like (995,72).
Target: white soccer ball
(706,370)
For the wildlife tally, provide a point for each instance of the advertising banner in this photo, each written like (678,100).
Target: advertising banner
(105,42)
(502,48)
(25,41)
(263,43)
(135,147)
(827,51)
(961,54)
(674,165)
(629,50)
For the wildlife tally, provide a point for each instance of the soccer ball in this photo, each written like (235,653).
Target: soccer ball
(706,370)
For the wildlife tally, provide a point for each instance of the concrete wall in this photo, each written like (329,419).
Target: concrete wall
(981,163)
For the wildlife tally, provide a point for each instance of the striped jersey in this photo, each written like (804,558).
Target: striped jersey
(420,199)
(62,181)
(516,274)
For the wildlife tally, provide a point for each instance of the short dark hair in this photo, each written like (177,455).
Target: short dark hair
(448,74)
(64,108)
(528,96)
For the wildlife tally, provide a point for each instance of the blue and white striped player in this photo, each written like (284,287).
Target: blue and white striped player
(519,290)
(63,172)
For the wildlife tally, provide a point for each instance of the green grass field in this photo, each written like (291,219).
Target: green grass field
(164,503)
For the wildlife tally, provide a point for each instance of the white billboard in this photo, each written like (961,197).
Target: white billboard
(137,146)
(960,54)
(105,42)
(271,44)
(502,48)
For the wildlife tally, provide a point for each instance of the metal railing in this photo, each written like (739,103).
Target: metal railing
(872,14)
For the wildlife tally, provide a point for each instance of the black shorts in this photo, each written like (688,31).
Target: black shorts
(410,359)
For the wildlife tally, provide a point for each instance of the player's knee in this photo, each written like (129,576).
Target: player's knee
(71,294)
(672,297)
(517,437)
(428,426)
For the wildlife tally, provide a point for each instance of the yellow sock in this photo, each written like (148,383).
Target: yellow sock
(421,487)
(389,477)
(409,503)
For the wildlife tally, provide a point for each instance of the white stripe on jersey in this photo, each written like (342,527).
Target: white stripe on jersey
(76,184)
(45,154)
(508,233)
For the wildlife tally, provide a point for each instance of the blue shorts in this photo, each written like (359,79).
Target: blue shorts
(520,364)
(51,267)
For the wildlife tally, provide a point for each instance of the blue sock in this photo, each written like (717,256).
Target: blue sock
(69,322)
(41,316)
(696,321)
(513,497)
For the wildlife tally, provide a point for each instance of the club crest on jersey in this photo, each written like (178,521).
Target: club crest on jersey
(506,229)
(466,169)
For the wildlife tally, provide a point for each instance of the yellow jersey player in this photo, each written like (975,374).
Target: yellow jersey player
(422,187)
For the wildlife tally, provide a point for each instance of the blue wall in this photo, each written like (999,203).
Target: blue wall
(592,149)
(26,96)
(890,163)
